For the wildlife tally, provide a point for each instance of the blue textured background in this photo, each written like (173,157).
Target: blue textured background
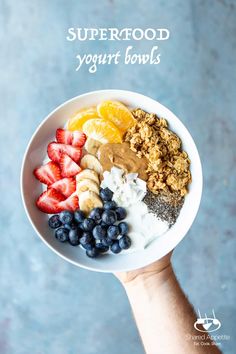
(46,304)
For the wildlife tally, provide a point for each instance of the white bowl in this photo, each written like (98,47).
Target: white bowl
(31,188)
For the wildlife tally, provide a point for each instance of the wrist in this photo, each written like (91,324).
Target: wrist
(149,279)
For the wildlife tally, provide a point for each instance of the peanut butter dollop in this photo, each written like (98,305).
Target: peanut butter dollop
(121,156)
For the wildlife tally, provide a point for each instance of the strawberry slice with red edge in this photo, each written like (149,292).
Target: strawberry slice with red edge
(55,150)
(48,201)
(75,138)
(64,136)
(65,186)
(68,167)
(71,203)
(48,173)
(78,138)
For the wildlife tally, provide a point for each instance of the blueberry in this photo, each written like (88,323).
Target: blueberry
(113,232)
(121,213)
(88,246)
(96,214)
(81,227)
(79,216)
(106,194)
(107,241)
(71,226)
(109,217)
(110,205)
(102,223)
(61,234)
(99,232)
(101,248)
(115,248)
(124,242)
(92,253)
(123,227)
(74,237)
(88,224)
(86,238)
(66,217)
(54,222)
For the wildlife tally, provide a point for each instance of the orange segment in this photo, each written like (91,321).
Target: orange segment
(78,120)
(102,130)
(117,113)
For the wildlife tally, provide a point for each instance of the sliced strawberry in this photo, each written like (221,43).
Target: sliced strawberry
(55,150)
(75,138)
(74,152)
(49,200)
(64,136)
(48,173)
(68,167)
(65,186)
(71,203)
(78,138)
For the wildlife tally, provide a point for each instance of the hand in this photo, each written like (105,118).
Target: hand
(145,272)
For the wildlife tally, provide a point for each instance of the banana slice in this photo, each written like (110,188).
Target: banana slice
(89,200)
(87,185)
(91,162)
(92,146)
(87,174)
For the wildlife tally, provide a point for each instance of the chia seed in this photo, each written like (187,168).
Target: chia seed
(166,208)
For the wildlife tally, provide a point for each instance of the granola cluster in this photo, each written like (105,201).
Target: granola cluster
(169,166)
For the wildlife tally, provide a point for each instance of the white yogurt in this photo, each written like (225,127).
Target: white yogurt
(129,191)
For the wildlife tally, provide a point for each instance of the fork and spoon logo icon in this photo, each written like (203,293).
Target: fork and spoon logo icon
(207,324)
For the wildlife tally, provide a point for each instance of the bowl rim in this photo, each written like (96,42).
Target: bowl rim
(111,91)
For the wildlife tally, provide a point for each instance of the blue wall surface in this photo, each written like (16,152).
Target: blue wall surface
(48,306)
